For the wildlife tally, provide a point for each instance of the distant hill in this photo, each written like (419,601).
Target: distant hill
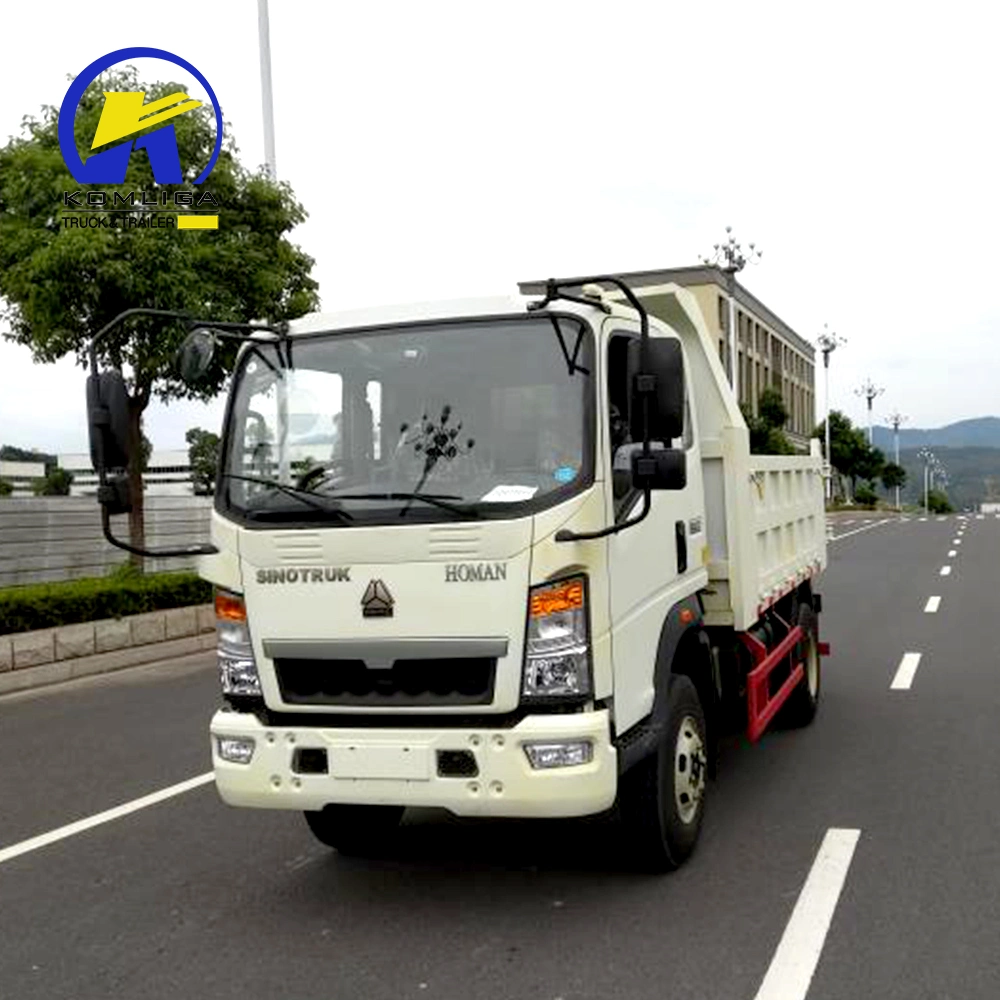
(982,432)
(972,474)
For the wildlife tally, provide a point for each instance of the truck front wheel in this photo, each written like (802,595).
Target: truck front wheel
(662,798)
(354,830)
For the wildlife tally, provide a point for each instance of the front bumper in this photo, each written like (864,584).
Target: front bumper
(399,767)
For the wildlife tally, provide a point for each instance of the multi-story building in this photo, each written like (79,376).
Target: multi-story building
(22,476)
(168,474)
(769,353)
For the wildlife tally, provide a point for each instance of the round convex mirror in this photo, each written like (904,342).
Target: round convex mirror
(195,355)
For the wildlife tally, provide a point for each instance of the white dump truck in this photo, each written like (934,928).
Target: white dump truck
(507,557)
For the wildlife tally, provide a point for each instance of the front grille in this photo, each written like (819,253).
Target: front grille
(459,681)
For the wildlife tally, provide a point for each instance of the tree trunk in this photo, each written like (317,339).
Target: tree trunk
(136,518)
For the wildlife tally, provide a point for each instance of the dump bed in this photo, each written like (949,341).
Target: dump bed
(766,525)
(765,514)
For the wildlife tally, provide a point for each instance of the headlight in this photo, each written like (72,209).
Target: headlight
(557,649)
(237,667)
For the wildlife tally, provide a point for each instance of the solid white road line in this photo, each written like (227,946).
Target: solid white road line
(946,571)
(905,671)
(952,553)
(44,839)
(933,603)
(795,961)
(855,531)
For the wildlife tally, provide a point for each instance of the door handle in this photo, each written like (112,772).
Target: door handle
(680,537)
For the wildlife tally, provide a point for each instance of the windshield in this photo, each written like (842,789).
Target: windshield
(431,422)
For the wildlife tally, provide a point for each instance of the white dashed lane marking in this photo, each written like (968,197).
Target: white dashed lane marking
(905,671)
(946,571)
(933,603)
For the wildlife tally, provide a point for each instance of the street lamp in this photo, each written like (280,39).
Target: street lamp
(869,391)
(937,469)
(896,419)
(927,457)
(267,103)
(828,343)
(729,256)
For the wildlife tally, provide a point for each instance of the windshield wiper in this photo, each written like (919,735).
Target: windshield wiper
(434,499)
(309,497)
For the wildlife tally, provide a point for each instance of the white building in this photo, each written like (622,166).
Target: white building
(22,476)
(168,475)
(990,507)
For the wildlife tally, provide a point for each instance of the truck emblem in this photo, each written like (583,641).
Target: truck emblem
(377,602)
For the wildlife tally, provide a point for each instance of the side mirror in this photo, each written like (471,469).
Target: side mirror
(666,405)
(107,419)
(194,357)
(115,496)
(665,469)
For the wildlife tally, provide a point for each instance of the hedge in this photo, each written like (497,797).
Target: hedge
(45,605)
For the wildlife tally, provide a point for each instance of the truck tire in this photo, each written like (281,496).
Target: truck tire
(355,830)
(662,798)
(800,709)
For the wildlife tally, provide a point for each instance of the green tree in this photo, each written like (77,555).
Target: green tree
(62,285)
(938,503)
(55,484)
(850,453)
(893,475)
(865,495)
(11,454)
(5,488)
(203,456)
(767,435)
(869,464)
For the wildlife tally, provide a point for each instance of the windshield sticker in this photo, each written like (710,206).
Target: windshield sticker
(509,494)
(564,474)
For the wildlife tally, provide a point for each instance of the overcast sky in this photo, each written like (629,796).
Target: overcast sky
(444,150)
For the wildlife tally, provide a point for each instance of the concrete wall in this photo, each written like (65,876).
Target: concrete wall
(45,539)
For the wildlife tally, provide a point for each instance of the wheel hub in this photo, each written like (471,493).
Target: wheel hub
(689,770)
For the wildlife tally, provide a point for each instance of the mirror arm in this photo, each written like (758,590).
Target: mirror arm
(565,535)
(201,549)
(235,331)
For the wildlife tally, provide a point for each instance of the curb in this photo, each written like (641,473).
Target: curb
(65,652)
(102,663)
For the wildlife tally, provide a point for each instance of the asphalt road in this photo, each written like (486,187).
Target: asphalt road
(190,898)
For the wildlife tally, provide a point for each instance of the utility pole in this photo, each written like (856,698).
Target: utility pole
(869,391)
(729,256)
(264,33)
(828,343)
(896,419)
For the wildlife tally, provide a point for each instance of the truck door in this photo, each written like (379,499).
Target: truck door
(658,562)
